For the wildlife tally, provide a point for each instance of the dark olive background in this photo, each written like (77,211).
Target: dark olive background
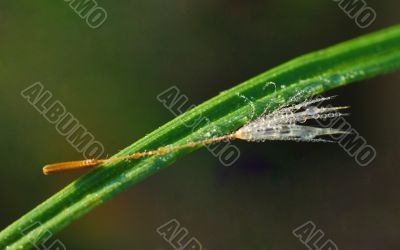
(109,79)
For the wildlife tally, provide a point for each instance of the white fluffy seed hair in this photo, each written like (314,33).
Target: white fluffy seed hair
(284,123)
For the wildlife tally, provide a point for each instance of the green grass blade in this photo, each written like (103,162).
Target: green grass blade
(357,59)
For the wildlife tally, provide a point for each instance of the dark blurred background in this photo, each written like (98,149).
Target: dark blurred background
(109,78)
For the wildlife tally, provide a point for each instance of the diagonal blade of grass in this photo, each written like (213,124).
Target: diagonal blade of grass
(317,72)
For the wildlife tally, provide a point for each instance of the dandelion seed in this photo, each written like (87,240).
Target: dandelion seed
(284,124)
